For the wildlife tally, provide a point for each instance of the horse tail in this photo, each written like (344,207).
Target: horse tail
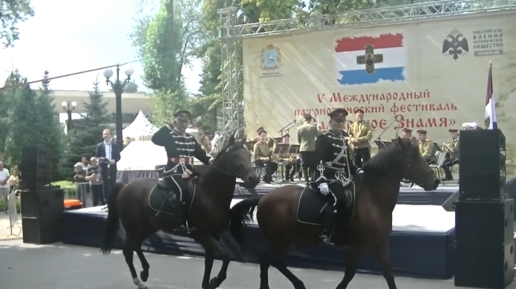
(240,214)
(112,221)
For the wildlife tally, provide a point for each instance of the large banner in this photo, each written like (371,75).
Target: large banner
(432,73)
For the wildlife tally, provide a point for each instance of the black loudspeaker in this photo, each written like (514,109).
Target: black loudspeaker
(35,168)
(482,174)
(41,215)
(485,250)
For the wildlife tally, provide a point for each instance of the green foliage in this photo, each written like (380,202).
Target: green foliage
(12,12)
(86,134)
(33,123)
(7,98)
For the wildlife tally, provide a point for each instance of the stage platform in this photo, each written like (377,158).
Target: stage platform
(408,196)
(421,243)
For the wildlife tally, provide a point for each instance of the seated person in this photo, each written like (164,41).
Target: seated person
(452,157)
(290,161)
(426,147)
(262,154)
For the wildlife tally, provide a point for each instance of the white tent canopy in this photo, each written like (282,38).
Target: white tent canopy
(140,127)
(141,156)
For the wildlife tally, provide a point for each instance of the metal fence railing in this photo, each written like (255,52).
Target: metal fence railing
(82,193)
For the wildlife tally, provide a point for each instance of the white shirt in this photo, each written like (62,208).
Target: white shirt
(4,176)
(107,150)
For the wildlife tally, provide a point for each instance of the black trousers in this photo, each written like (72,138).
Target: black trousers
(270,169)
(97,193)
(362,155)
(109,181)
(333,212)
(448,164)
(291,168)
(308,163)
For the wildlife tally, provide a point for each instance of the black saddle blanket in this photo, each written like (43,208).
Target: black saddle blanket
(311,208)
(170,201)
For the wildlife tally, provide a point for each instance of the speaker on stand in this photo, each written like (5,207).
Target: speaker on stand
(484,216)
(41,204)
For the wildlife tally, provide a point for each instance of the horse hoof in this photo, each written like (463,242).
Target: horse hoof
(144,275)
(214,282)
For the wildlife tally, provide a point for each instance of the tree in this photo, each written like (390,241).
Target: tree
(12,12)
(171,37)
(33,123)
(88,133)
(7,97)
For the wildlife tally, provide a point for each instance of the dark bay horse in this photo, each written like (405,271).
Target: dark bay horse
(367,223)
(209,212)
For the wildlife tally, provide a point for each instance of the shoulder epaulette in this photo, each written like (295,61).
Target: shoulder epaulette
(324,132)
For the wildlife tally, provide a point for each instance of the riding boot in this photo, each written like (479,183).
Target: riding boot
(329,220)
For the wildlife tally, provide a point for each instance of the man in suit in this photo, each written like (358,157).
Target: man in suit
(307,133)
(108,153)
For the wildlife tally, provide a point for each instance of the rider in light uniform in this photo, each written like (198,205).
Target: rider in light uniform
(334,168)
(181,149)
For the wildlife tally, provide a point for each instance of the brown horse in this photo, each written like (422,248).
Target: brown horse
(208,205)
(292,213)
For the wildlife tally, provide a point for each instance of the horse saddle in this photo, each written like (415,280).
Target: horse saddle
(312,204)
(173,201)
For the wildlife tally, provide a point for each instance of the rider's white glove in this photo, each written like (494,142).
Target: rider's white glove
(323,188)
(211,160)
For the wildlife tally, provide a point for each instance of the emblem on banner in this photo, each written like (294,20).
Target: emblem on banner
(271,57)
(455,44)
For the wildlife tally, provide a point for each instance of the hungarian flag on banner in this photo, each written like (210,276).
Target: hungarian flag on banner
(490,111)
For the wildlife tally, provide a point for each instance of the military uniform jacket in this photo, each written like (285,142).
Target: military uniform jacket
(332,151)
(454,145)
(426,148)
(306,136)
(362,133)
(180,148)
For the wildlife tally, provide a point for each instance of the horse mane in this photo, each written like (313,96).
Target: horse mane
(385,159)
(228,147)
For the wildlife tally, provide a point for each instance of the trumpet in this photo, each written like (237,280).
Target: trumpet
(447,148)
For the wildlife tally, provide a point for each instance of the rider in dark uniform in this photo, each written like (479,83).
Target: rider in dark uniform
(334,168)
(181,149)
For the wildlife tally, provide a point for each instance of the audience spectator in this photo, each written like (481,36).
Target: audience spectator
(80,179)
(4,185)
(94,176)
(14,179)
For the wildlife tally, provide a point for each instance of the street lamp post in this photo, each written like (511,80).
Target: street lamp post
(118,88)
(69,107)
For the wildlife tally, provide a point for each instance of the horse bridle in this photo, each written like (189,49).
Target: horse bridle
(416,178)
(235,174)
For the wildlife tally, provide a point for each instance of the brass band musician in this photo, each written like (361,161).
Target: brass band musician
(426,147)
(407,133)
(262,155)
(360,135)
(290,161)
(451,148)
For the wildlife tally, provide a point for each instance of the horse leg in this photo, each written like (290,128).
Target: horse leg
(212,245)
(222,275)
(276,260)
(144,274)
(382,253)
(351,267)
(128,254)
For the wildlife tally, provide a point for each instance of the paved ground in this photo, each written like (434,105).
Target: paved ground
(24,266)
(5,231)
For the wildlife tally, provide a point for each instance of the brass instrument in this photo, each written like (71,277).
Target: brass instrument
(447,148)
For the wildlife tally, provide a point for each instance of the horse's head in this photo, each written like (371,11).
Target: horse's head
(235,159)
(414,167)
(403,159)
